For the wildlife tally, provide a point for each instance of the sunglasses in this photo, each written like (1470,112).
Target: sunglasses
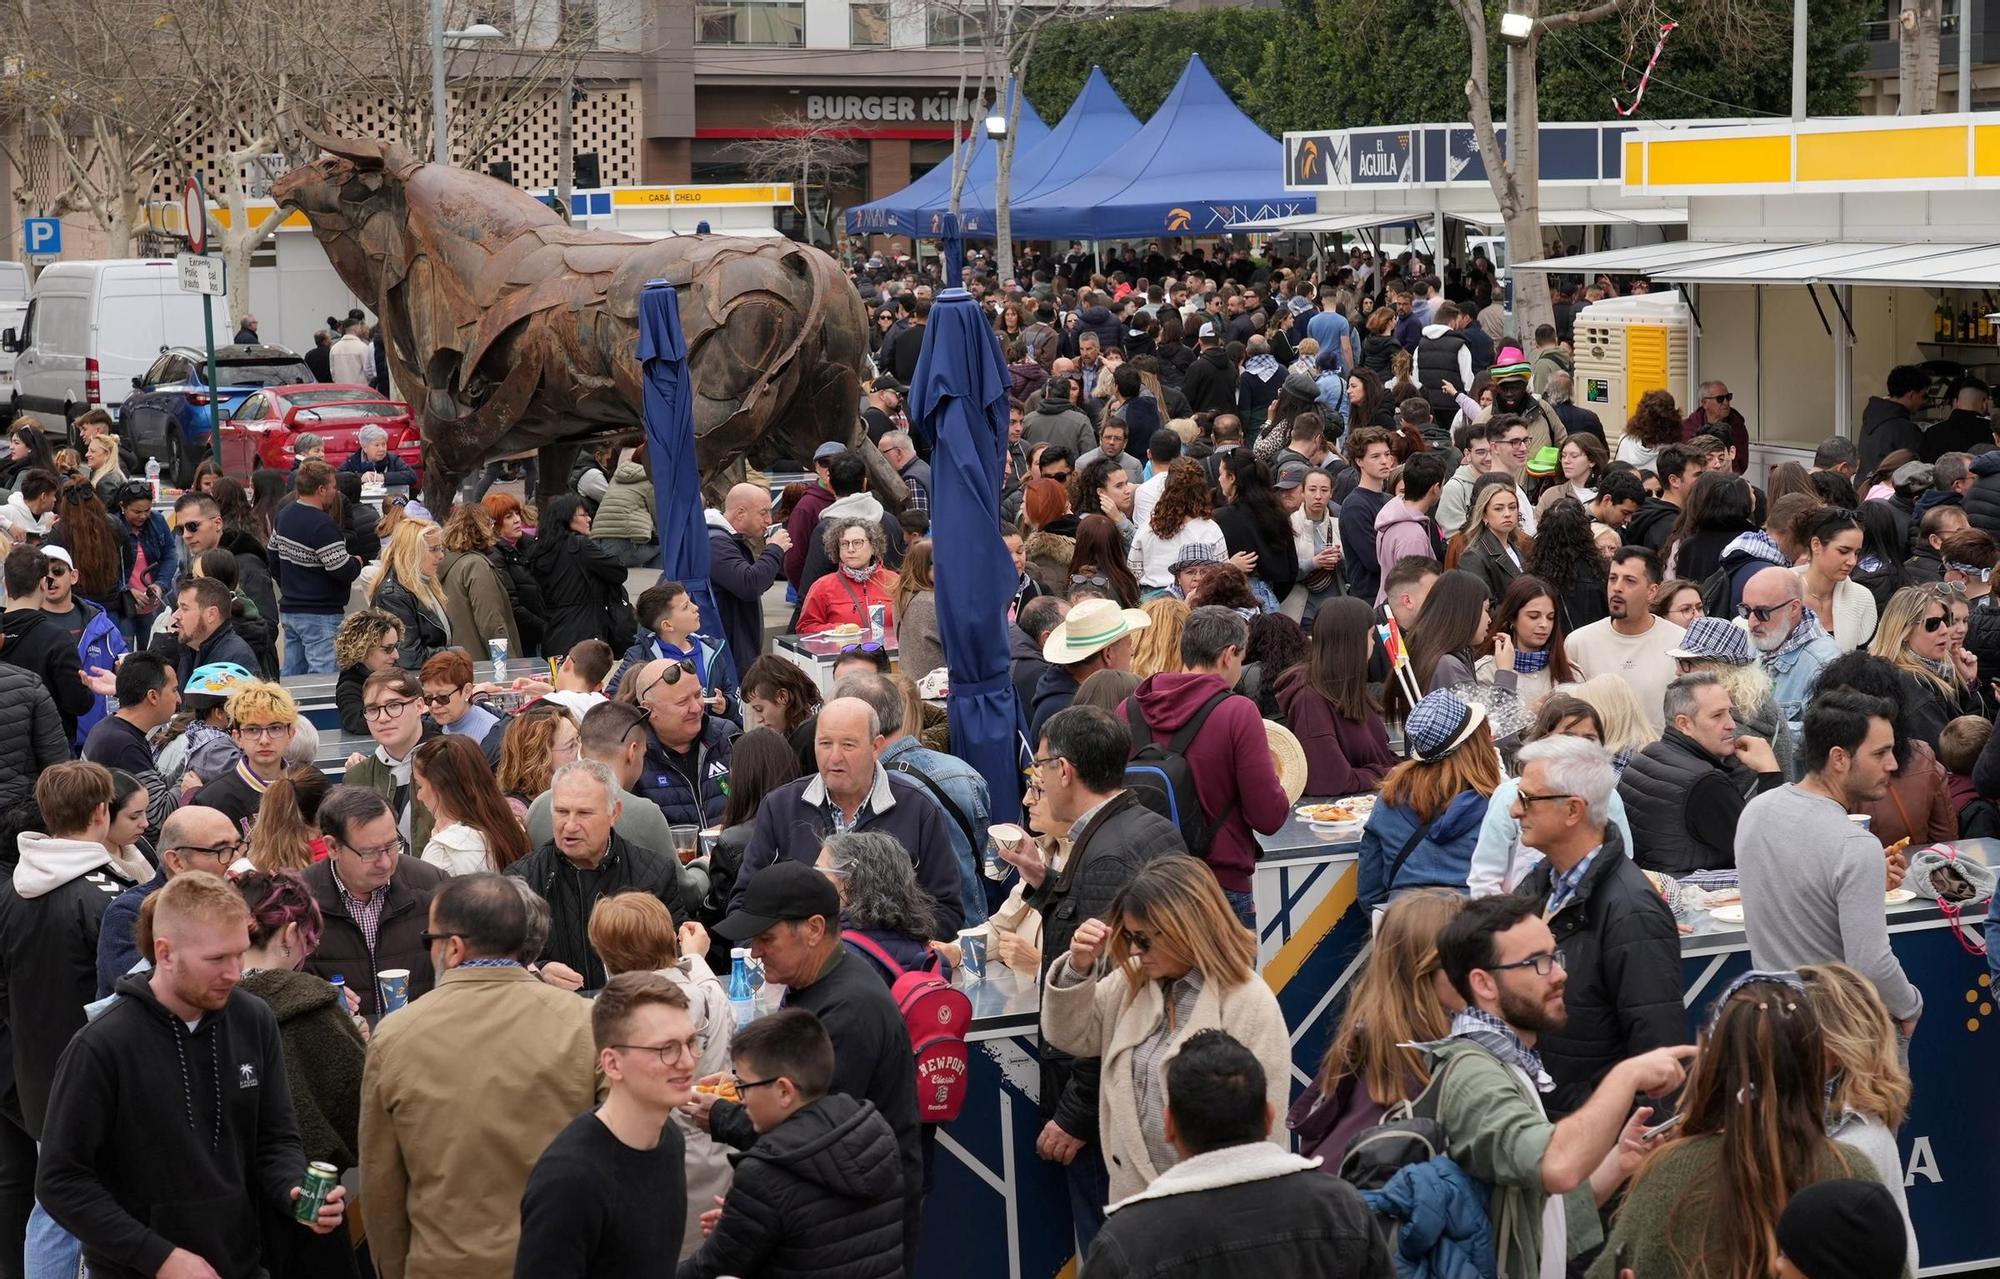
(443,699)
(871,647)
(1932,625)
(671,677)
(1719,399)
(1141,942)
(1763,613)
(190,527)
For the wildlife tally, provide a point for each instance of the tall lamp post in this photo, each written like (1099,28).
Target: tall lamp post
(440,139)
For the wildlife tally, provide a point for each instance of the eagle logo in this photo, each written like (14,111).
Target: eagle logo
(1179,219)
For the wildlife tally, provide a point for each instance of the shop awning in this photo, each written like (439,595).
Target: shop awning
(1923,264)
(1941,266)
(1649,259)
(1830,262)
(1327,223)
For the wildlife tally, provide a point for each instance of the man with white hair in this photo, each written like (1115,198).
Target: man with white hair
(743,563)
(902,454)
(1615,937)
(589,860)
(1789,640)
(853,792)
(375,463)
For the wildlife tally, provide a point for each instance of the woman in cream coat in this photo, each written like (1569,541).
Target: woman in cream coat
(1178,962)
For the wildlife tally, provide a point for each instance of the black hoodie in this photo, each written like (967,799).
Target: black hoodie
(36,644)
(159,1137)
(1652,525)
(821,1194)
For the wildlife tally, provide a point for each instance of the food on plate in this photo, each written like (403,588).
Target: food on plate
(1328,813)
(844,629)
(1727,914)
(1897,896)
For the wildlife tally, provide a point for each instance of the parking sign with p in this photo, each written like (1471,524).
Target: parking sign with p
(42,235)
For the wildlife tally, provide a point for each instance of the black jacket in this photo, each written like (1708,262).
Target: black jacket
(818,1197)
(1652,524)
(1024,666)
(530,611)
(1210,383)
(423,632)
(579,582)
(253,570)
(1112,848)
(1277,564)
(788,826)
(1684,803)
(1962,432)
(34,740)
(1055,692)
(1885,427)
(48,972)
(159,1137)
(226,645)
(1487,560)
(571,894)
(399,943)
(347,699)
(741,575)
(1622,953)
(1926,710)
(31,640)
(1298,1225)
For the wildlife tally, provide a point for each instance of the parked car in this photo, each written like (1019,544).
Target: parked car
(264,429)
(90,329)
(171,409)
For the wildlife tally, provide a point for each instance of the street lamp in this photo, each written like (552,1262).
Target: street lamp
(1515,28)
(996,127)
(440,141)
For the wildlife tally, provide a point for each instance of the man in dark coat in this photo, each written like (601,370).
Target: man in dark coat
(369,871)
(1685,792)
(1084,777)
(589,861)
(1210,382)
(741,572)
(31,639)
(1621,950)
(1969,428)
(1888,422)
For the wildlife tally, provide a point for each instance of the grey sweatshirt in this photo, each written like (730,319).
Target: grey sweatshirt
(1812,892)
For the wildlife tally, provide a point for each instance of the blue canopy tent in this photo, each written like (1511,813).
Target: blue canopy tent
(910,211)
(1198,165)
(668,400)
(1095,126)
(959,397)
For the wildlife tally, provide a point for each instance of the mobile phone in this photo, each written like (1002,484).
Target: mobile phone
(1618,1259)
(1668,1125)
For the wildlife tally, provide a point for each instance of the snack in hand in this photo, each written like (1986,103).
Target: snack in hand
(721,1089)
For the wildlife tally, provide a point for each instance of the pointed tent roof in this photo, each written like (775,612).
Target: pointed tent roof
(1196,166)
(1096,125)
(908,212)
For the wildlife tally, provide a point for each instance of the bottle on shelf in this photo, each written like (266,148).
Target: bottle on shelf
(1941,320)
(1964,324)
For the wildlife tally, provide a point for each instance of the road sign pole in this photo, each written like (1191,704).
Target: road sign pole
(208,324)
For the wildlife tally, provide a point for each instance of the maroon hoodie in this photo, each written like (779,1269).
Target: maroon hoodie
(1231,761)
(800,524)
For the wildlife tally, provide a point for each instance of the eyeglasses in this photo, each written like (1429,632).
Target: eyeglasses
(1543,963)
(670,677)
(745,1085)
(1060,477)
(221,852)
(431,939)
(1141,942)
(1519,443)
(444,699)
(381,853)
(190,528)
(1527,799)
(266,731)
(389,649)
(1719,399)
(1763,613)
(389,710)
(688,1048)
(1957,589)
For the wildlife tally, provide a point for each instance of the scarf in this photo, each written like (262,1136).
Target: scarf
(1758,545)
(1498,1038)
(1261,367)
(1531,661)
(1803,634)
(862,575)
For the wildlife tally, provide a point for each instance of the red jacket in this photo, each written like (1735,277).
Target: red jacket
(837,600)
(1231,760)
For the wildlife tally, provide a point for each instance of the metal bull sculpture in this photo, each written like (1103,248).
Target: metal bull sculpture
(509,330)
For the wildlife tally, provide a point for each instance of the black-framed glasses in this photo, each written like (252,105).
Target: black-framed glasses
(745,1085)
(444,699)
(1932,625)
(390,649)
(430,938)
(1141,942)
(1543,963)
(689,1048)
(266,731)
(221,852)
(379,852)
(1525,798)
(381,711)
(1764,612)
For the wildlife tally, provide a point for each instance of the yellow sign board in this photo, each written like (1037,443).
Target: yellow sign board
(700,197)
(1645,363)
(1876,153)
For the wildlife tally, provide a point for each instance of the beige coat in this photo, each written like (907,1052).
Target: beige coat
(477,606)
(463,1091)
(1103,1019)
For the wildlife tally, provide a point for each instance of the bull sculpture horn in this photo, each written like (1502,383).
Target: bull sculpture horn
(364,153)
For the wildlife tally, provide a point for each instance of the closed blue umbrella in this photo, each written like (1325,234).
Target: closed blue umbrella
(951,244)
(669,405)
(958,398)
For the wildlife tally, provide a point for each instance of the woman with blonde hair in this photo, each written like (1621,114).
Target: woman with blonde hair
(477,606)
(536,742)
(407,589)
(1914,636)
(1623,720)
(1157,650)
(634,932)
(1168,960)
(368,640)
(1437,797)
(101,456)
(1870,1094)
(1402,997)
(914,606)
(1491,546)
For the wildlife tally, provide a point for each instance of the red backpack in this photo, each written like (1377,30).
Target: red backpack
(937,1015)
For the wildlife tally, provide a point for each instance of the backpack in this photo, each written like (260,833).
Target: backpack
(1715,592)
(1161,778)
(1409,1134)
(936,1014)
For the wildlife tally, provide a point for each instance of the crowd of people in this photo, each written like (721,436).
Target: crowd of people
(486,967)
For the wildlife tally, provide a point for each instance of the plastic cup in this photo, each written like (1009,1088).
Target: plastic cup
(395,985)
(972,953)
(1863,820)
(1005,835)
(686,841)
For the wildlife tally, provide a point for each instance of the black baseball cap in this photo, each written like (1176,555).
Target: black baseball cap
(887,382)
(784,890)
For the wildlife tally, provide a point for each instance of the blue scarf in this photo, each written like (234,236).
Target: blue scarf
(1530,662)
(1498,1038)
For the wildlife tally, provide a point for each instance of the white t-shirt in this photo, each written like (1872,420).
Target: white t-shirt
(1145,495)
(1640,660)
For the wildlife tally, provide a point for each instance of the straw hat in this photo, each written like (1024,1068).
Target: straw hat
(1289,758)
(1091,627)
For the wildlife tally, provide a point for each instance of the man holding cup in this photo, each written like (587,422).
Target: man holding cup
(1080,766)
(373,897)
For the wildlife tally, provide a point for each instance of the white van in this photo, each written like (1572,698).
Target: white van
(90,329)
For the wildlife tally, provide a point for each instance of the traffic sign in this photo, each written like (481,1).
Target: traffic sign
(42,235)
(194,216)
(200,274)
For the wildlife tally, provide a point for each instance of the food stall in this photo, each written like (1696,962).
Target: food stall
(998,1210)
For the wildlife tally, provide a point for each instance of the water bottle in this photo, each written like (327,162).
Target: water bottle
(742,999)
(498,650)
(153,476)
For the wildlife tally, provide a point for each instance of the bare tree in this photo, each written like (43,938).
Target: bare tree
(804,151)
(1515,169)
(1919,27)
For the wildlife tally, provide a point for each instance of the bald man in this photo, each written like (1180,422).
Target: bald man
(1793,645)
(193,838)
(743,563)
(853,792)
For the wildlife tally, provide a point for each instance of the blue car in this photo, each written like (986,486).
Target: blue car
(171,411)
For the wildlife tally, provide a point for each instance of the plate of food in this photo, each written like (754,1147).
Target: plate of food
(1327,814)
(846,630)
(1897,896)
(1727,914)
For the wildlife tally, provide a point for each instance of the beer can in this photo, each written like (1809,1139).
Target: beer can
(878,620)
(318,1183)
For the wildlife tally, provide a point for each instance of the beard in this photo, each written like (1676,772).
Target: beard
(198,994)
(1523,1013)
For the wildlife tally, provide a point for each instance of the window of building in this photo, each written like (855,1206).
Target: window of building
(719,162)
(781,23)
(943,27)
(868,25)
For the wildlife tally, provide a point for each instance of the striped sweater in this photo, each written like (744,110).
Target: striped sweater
(315,571)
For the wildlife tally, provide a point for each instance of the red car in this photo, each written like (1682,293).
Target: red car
(262,430)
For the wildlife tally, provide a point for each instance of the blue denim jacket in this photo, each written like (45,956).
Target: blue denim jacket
(1793,674)
(966,789)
